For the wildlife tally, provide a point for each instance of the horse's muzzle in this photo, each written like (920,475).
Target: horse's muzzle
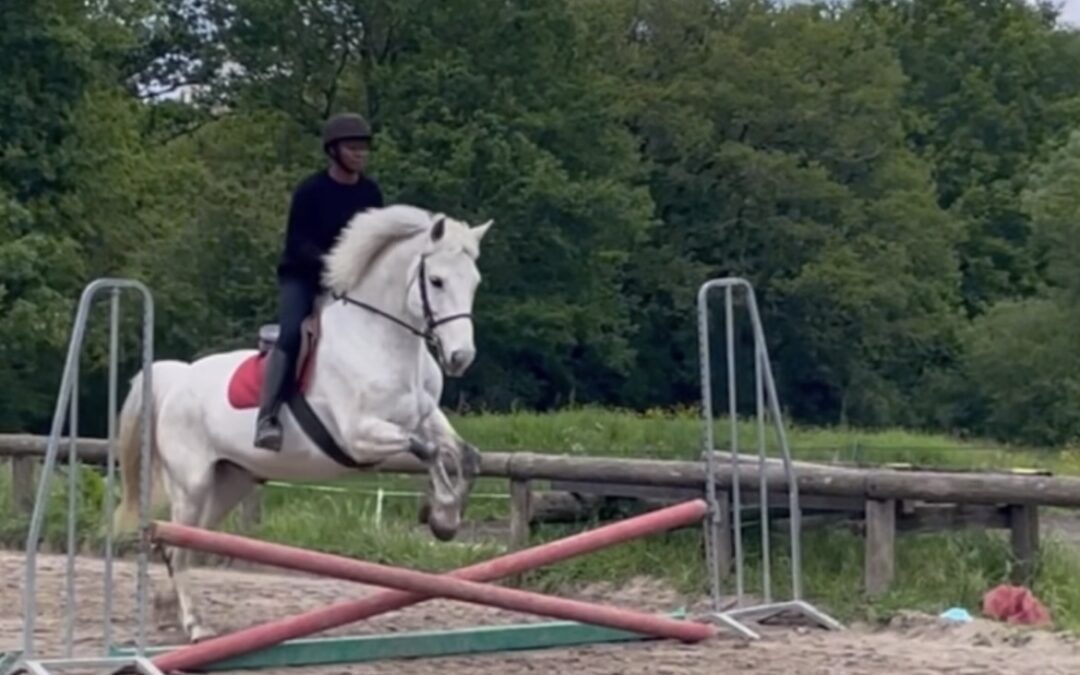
(459,361)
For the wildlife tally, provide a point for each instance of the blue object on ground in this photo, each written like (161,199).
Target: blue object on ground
(956,614)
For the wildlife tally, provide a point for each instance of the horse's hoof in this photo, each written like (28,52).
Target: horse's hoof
(443,533)
(200,633)
(443,530)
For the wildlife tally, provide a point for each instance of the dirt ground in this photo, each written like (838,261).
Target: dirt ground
(913,644)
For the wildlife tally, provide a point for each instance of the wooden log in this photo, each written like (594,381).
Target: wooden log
(994,488)
(931,486)
(1024,525)
(880,545)
(23,484)
(90,450)
(823,480)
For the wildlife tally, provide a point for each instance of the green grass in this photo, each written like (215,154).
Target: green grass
(678,435)
(934,571)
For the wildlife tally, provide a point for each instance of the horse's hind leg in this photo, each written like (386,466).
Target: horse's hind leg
(187,505)
(231,485)
(222,488)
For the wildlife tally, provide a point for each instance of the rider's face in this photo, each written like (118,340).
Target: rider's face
(353,154)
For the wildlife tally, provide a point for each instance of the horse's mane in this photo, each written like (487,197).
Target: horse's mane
(365,238)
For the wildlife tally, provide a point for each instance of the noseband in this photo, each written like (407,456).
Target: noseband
(430,321)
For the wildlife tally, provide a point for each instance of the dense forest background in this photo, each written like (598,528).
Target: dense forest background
(900,179)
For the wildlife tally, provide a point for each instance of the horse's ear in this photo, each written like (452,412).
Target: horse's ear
(439,230)
(480,230)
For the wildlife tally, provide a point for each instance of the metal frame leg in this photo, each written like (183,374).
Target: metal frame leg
(767,404)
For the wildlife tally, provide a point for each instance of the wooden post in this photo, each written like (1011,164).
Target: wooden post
(880,544)
(1024,527)
(22,484)
(520,515)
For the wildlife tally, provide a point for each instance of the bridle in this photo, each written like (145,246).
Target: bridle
(434,344)
(428,335)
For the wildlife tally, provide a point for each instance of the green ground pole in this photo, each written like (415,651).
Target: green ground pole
(418,644)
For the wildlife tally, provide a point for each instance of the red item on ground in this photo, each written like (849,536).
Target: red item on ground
(1015,604)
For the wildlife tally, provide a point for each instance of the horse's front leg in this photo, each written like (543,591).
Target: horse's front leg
(446,439)
(373,440)
(443,507)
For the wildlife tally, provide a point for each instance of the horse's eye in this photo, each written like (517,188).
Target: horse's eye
(436,282)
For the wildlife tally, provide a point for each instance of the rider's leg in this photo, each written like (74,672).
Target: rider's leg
(295,305)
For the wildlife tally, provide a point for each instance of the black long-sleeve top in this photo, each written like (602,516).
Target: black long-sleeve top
(321,208)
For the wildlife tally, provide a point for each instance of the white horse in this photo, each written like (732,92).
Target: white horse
(401,280)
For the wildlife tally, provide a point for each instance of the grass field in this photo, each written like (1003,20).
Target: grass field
(934,571)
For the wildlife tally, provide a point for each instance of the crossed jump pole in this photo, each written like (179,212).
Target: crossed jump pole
(412,587)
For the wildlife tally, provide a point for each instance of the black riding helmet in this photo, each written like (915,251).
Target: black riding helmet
(342,127)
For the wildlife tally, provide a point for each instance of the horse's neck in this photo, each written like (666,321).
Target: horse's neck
(358,344)
(364,345)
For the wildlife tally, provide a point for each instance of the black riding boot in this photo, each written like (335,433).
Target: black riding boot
(268,432)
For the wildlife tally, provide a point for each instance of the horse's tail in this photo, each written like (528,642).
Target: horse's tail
(129,444)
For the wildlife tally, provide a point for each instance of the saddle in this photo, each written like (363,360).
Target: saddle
(247,379)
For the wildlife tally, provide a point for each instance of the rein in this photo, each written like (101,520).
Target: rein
(428,334)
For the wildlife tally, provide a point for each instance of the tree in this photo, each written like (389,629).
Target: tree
(49,69)
(81,189)
(776,154)
(1020,376)
(989,84)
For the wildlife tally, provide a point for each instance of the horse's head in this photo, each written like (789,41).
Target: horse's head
(443,282)
(430,258)
(419,270)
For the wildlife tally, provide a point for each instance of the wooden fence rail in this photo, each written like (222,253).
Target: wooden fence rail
(892,499)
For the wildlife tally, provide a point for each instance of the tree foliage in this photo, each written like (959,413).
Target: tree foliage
(893,176)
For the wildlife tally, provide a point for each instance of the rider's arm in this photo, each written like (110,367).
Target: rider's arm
(301,252)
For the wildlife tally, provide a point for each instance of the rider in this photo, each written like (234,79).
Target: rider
(321,207)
